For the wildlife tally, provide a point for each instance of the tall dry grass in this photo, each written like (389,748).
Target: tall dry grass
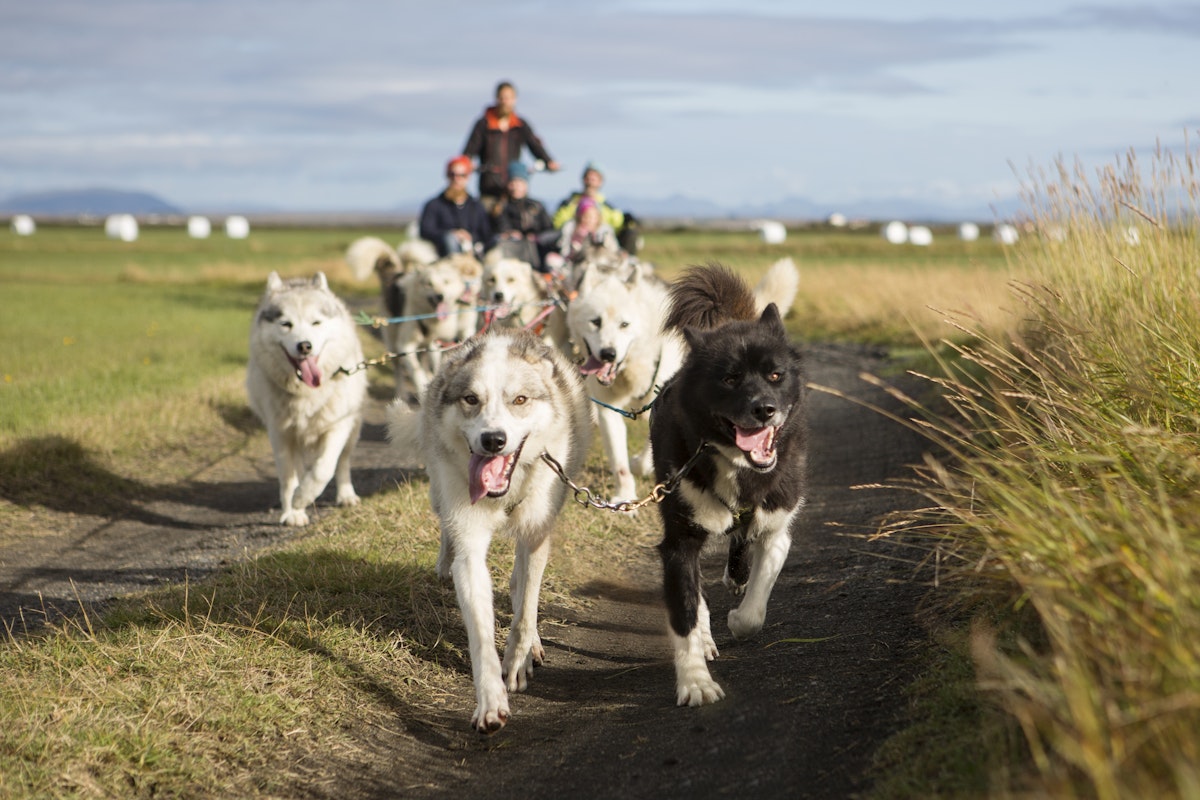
(1074,482)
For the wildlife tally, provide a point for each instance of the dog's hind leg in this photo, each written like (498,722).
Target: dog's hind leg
(524,649)
(767,553)
(737,567)
(473,586)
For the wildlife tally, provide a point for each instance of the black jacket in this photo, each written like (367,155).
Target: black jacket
(496,149)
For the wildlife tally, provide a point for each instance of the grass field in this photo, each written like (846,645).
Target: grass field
(1075,422)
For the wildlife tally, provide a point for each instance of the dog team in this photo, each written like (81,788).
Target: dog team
(501,376)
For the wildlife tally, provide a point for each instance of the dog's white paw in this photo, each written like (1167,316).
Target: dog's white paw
(492,712)
(518,670)
(700,690)
(294,516)
(346,499)
(745,623)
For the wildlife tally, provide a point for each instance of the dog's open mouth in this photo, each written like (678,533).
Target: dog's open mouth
(605,371)
(758,444)
(306,369)
(443,310)
(490,476)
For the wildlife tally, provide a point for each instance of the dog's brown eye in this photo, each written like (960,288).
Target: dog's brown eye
(287,326)
(520,400)
(470,399)
(775,377)
(730,380)
(596,322)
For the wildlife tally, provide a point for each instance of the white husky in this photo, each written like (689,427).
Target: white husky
(430,313)
(301,335)
(616,319)
(497,404)
(517,296)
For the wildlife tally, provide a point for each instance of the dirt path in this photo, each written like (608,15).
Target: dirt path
(808,700)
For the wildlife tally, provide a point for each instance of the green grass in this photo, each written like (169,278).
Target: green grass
(128,376)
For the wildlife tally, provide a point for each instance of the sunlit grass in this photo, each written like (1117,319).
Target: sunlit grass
(1075,481)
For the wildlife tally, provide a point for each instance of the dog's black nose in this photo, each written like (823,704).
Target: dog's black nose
(304,348)
(493,441)
(608,355)
(764,411)
(498,296)
(436,298)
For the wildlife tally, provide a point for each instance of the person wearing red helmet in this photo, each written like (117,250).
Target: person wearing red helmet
(454,221)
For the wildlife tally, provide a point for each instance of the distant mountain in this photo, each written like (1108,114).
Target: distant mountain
(96,202)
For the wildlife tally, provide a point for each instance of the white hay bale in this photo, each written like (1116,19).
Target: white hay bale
(364,254)
(895,232)
(772,232)
(23,225)
(837,220)
(920,235)
(121,226)
(199,227)
(237,227)
(968,232)
(1005,234)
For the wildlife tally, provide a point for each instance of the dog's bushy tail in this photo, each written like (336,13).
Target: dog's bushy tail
(707,297)
(779,286)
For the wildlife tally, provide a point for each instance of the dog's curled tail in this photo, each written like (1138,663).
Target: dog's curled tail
(365,255)
(709,296)
(779,286)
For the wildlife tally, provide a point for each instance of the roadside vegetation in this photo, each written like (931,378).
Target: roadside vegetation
(1069,505)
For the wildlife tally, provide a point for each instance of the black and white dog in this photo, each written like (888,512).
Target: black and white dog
(733,418)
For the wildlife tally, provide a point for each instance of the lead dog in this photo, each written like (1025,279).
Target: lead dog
(301,334)
(497,404)
(736,406)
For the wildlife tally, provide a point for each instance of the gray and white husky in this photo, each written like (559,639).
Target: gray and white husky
(301,335)
(497,403)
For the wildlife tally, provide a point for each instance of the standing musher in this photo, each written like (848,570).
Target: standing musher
(496,140)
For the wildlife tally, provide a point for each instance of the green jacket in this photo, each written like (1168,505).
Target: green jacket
(566,211)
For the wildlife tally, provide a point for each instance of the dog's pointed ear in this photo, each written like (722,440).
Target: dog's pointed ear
(319,281)
(693,336)
(274,282)
(770,316)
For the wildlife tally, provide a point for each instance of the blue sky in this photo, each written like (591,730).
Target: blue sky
(326,106)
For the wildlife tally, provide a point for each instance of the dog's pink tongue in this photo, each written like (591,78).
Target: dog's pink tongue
(755,440)
(487,474)
(443,310)
(604,371)
(310,373)
(592,366)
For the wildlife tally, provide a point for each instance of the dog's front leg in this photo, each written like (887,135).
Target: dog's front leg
(473,586)
(524,649)
(334,445)
(768,551)
(288,464)
(616,446)
(690,631)
(346,496)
